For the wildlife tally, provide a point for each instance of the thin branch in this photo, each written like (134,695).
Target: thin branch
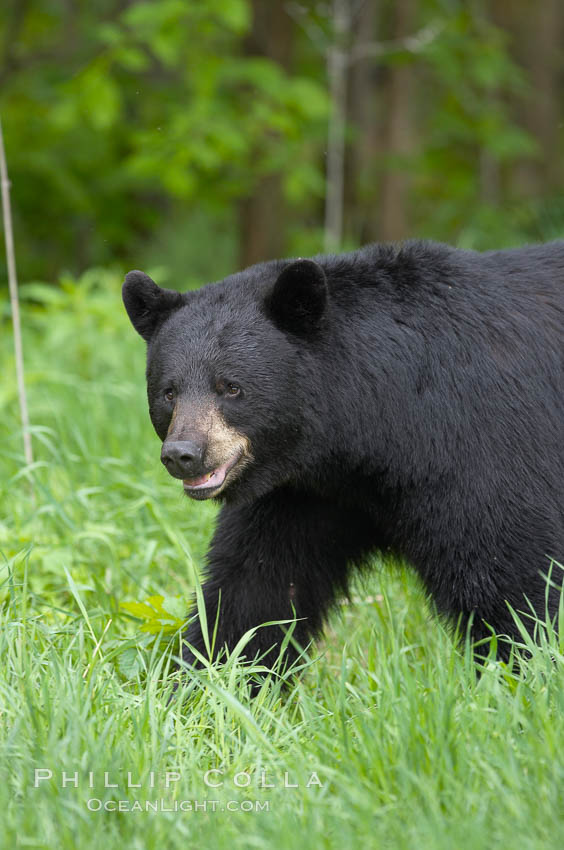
(371,50)
(340,55)
(410,44)
(337,73)
(13,282)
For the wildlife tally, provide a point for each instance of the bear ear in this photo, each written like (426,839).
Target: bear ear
(299,297)
(146,303)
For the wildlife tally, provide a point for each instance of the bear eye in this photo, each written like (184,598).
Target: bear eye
(169,394)
(233,390)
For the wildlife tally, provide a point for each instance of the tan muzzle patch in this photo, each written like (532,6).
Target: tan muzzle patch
(207,425)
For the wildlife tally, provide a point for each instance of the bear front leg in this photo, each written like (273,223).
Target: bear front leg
(286,555)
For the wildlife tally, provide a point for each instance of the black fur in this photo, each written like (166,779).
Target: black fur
(146,303)
(407,398)
(298,299)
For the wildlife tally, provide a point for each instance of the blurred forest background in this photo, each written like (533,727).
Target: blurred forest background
(201,137)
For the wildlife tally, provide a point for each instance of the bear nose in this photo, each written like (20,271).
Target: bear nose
(182,458)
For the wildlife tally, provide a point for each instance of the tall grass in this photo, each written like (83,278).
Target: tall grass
(387,739)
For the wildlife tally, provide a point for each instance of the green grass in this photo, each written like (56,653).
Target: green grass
(406,746)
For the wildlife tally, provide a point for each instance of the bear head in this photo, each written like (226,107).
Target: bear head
(231,372)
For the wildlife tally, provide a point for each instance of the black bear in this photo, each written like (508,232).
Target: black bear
(404,398)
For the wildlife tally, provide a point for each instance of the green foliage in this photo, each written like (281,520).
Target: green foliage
(134,132)
(469,80)
(113,115)
(159,614)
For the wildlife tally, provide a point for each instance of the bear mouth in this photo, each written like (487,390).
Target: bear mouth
(211,483)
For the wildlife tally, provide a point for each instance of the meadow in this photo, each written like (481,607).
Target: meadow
(387,738)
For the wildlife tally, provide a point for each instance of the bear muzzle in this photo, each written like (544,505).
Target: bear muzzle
(183,458)
(206,455)
(202,477)
(211,483)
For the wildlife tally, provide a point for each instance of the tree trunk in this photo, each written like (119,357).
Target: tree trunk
(262,234)
(364,148)
(393,213)
(537,45)
(337,73)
